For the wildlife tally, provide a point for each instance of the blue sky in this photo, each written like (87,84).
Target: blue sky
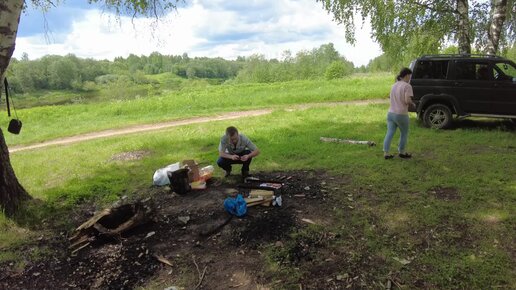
(213,28)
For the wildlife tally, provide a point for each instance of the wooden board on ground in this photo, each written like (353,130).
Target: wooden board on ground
(266,201)
(261,192)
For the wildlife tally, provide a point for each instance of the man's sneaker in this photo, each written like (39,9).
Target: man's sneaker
(228,173)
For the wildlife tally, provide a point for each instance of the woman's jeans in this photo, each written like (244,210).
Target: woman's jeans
(396,121)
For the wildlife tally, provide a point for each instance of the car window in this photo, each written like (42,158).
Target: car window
(466,70)
(483,73)
(431,69)
(504,71)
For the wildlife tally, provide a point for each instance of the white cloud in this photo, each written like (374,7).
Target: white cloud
(214,29)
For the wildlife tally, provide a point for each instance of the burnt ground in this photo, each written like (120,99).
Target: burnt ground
(328,234)
(190,232)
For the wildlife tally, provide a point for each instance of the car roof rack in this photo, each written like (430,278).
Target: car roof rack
(462,55)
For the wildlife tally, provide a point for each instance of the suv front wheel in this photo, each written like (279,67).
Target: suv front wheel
(437,116)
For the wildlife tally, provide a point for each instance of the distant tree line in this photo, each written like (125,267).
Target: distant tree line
(69,72)
(384,63)
(53,72)
(322,62)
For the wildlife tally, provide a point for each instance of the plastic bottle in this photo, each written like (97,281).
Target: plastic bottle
(206,172)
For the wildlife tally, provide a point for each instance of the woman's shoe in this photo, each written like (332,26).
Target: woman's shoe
(390,156)
(405,155)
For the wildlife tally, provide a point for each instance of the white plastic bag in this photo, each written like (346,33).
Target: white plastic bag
(160,177)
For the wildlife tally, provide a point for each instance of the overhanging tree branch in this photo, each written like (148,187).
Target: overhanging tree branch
(433,8)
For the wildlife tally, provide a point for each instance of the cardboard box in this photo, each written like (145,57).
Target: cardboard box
(193,170)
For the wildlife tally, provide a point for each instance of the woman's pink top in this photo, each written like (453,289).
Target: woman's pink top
(401,94)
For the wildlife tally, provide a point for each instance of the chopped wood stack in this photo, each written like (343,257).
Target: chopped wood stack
(260,197)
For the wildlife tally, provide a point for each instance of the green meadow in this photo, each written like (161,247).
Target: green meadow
(469,228)
(197,99)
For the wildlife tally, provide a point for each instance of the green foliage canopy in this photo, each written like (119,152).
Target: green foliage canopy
(408,28)
(134,8)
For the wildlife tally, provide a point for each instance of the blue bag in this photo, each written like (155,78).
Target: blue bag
(236,206)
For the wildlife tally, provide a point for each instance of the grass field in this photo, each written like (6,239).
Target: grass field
(49,122)
(458,193)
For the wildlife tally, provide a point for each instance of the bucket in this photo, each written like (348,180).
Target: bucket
(179,181)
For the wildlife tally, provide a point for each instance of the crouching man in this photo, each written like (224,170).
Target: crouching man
(235,148)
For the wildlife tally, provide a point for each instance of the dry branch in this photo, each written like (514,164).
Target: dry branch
(348,141)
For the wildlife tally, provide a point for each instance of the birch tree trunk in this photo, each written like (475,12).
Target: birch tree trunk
(498,16)
(11,191)
(463,27)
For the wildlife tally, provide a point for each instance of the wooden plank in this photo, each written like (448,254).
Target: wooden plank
(261,192)
(253,199)
(264,201)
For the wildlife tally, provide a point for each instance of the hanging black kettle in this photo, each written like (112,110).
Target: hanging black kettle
(15,124)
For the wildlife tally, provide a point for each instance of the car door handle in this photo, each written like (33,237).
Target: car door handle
(459,84)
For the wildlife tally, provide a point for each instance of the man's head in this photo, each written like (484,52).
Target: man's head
(232,133)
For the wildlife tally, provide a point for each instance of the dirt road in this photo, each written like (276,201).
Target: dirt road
(176,123)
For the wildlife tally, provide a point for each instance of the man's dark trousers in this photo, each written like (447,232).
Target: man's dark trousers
(225,163)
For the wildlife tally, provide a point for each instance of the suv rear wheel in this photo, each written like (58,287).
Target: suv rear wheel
(437,116)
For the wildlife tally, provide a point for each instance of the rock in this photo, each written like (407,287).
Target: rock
(307,188)
(150,234)
(184,219)
(402,260)
(279,244)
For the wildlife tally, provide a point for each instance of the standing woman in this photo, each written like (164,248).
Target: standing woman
(397,117)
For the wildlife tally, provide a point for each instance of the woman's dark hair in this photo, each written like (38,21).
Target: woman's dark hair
(403,72)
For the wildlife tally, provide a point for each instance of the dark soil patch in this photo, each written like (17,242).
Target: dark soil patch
(256,229)
(186,230)
(128,156)
(445,193)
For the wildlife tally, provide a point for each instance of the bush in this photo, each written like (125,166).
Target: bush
(106,79)
(337,69)
(139,77)
(89,86)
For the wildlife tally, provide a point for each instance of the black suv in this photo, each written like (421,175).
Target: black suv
(463,85)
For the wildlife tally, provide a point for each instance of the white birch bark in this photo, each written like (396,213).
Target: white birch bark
(11,191)
(498,16)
